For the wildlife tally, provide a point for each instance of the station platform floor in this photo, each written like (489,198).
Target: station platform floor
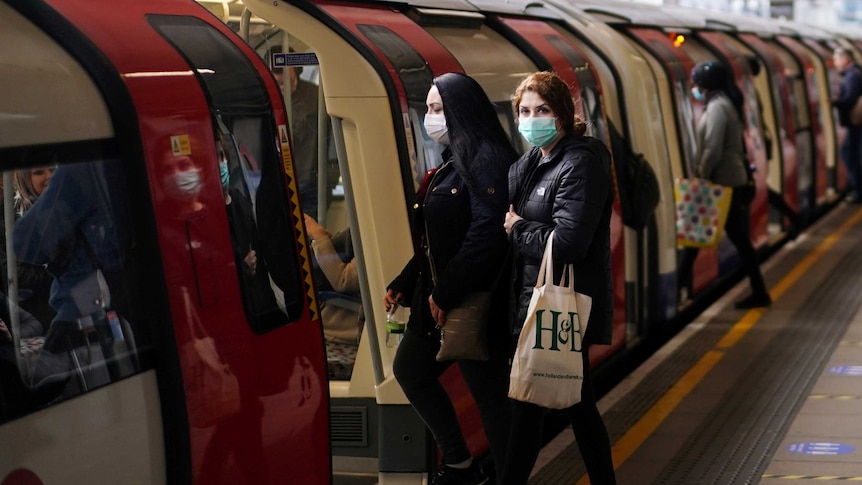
(745,397)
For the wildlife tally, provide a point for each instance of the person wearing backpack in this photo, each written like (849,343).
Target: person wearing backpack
(848,95)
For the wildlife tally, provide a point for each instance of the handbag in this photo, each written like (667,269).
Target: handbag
(548,366)
(464,337)
(701,210)
(212,390)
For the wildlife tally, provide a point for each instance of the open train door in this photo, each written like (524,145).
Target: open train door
(814,78)
(371,66)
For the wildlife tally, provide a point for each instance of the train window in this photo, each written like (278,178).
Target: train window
(496,64)
(256,198)
(796,78)
(72,317)
(590,98)
(416,78)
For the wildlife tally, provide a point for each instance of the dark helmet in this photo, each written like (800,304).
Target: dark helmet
(709,75)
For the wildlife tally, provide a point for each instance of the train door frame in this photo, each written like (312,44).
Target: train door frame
(803,133)
(782,97)
(838,179)
(677,65)
(357,27)
(816,82)
(730,50)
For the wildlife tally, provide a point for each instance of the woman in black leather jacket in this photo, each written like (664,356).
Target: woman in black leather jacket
(461,219)
(563,184)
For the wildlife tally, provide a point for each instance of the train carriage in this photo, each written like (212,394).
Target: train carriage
(225,122)
(166,362)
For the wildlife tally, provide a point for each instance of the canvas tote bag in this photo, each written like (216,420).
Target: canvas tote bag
(548,367)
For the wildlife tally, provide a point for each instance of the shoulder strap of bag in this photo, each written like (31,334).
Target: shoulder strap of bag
(547,267)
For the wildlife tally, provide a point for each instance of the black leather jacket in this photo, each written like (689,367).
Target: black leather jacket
(571,193)
(468,246)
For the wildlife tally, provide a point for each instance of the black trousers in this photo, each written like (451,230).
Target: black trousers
(418,372)
(525,440)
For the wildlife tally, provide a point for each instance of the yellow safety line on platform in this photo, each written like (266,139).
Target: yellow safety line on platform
(812,477)
(652,419)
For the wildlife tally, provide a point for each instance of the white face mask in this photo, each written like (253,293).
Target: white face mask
(188,182)
(436,127)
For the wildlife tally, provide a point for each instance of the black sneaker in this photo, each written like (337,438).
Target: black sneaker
(446,475)
(754,301)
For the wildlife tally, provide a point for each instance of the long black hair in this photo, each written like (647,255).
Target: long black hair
(477,140)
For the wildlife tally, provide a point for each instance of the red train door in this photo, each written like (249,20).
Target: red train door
(838,173)
(755,148)
(678,66)
(786,123)
(214,137)
(809,73)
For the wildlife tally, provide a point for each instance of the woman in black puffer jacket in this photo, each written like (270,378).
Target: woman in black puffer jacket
(460,218)
(562,185)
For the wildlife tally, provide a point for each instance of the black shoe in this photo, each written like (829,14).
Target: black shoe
(446,475)
(754,301)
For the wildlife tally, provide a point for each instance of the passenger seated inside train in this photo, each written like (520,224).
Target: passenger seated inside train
(15,396)
(337,284)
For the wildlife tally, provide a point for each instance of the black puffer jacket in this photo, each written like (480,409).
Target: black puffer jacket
(468,245)
(571,193)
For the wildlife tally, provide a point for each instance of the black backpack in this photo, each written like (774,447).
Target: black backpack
(637,184)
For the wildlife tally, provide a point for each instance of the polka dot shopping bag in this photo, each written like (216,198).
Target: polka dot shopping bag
(701,209)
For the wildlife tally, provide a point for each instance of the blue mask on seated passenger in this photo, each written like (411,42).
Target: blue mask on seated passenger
(698,94)
(538,131)
(224,174)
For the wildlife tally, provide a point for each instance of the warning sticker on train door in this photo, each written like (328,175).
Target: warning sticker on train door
(180,145)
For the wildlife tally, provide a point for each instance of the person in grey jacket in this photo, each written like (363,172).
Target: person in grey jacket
(562,185)
(721,160)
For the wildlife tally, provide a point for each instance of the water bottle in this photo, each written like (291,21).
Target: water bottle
(396,322)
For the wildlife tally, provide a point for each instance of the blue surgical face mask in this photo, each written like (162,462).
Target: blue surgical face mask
(538,131)
(698,94)
(224,174)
